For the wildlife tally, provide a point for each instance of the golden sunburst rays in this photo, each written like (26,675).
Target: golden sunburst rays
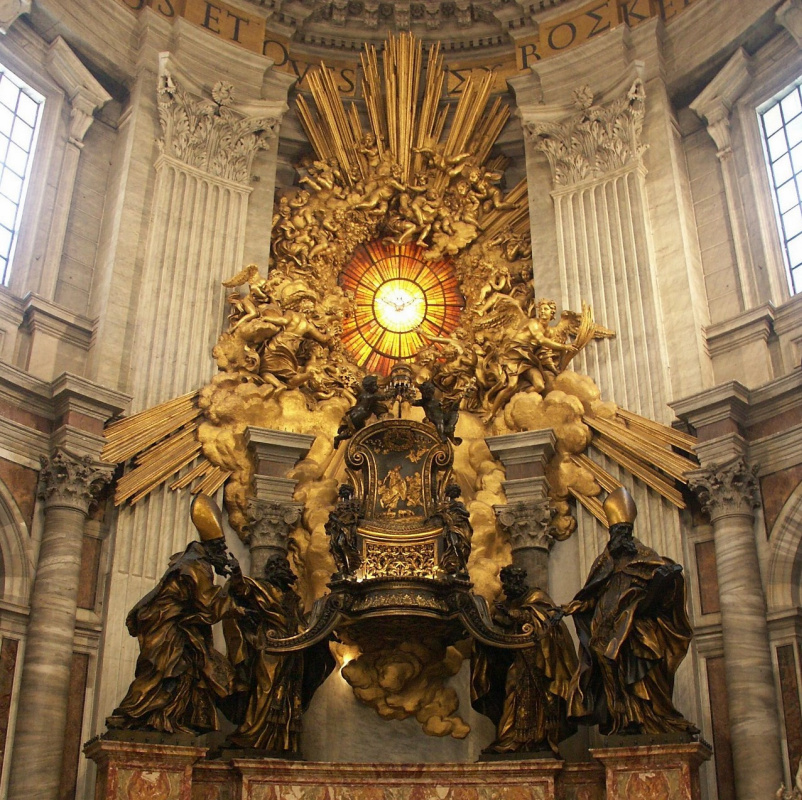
(403,122)
(643,448)
(401,302)
(162,440)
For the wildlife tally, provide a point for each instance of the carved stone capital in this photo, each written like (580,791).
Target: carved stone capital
(210,135)
(271,524)
(594,142)
(71,481)
(716,100)
(528,524)
(85,93)
(725,490)
(789,15)
(10,10)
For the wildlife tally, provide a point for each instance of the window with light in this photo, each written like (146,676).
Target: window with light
(781,125)
(20,112)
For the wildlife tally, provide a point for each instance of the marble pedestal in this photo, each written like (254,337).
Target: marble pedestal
(653,772)
(265,779)
(134,770)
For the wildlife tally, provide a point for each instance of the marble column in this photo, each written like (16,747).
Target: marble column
(68,484)
(527,517)
(730,495)
(273,514)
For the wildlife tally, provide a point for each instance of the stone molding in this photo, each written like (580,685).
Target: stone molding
(71,481)
(10,10)
(86,95)
(528,524)
(210,135)
(728,489)
(716,100)
(595,141)
(271,523)
(789,15)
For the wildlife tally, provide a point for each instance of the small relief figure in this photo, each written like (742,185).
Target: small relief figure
(457,532)
(341,529)
(179,674)
(371,402)
(392,491)
(525,691)
(443,415)
(633,633)
(271,691)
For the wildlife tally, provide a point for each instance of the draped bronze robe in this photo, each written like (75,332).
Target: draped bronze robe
(179,674)
(274,690)
(631,643)
(525,691)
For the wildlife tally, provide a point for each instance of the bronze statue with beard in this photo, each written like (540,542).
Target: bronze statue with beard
(525,691)
(179,674)
(633,633)
(271,691)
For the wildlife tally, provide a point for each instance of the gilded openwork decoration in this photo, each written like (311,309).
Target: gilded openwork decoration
(401,302)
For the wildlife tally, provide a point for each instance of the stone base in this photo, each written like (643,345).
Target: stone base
(662,770)
(129,770)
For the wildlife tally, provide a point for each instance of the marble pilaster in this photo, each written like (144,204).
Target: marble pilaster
(272,513)
(730,494)
(526,519)
(68,484)
(714,105)
(86,96)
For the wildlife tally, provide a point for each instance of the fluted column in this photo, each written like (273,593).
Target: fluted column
(68,484)
(730,495)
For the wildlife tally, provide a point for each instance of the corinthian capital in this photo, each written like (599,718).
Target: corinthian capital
(211,135)
(528,524)
(71,481)
(731,488)
(10,10)
(271,523)
(595,141)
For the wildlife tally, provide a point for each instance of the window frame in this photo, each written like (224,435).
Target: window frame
(24,55)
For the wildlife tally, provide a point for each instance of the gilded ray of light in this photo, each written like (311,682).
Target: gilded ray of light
(400,302)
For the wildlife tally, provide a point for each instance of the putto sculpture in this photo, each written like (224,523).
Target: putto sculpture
(633,633)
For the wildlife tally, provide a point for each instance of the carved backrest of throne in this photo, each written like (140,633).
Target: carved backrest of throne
(399,469)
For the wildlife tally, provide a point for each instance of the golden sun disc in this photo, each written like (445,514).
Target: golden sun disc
(399,305)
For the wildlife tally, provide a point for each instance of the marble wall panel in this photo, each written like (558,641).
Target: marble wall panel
(792,712)
(75,714)
(8,666)
(775,489)
(21,482)
(725,771)
(707,576)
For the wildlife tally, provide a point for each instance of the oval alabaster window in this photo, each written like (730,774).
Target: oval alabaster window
(401,301)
